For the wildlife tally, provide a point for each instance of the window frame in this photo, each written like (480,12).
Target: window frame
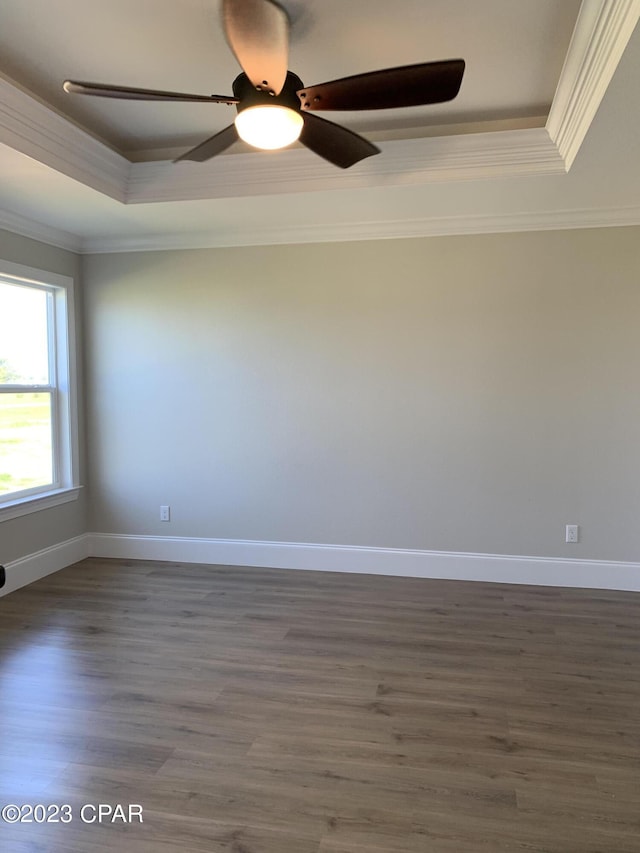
(62,388)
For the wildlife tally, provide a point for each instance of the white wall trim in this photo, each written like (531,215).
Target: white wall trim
(39,231)
(31,127)
(32,567)
(589,574)
(600,37)
(38,502)
(462,157)
(441,226)
(398,562)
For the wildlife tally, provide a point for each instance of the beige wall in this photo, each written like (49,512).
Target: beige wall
(31,533)
(460,393)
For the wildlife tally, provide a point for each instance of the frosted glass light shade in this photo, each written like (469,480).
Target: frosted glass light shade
(269,127)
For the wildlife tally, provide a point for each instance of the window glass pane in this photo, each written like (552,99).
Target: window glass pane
(25,441)
(24,350)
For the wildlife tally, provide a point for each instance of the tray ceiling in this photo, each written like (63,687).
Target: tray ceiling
(514,54)
(96,175)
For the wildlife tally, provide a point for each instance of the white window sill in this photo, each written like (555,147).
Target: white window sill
(35,503)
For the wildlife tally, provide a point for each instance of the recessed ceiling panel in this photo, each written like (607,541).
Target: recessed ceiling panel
(514,53)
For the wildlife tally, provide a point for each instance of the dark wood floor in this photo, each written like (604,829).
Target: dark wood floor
(264,711)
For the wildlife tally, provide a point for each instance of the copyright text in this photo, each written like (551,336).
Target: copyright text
(87,813)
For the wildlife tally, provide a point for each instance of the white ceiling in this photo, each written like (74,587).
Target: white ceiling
(483,162)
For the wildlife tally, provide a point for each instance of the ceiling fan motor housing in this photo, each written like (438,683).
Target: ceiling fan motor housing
(249,95)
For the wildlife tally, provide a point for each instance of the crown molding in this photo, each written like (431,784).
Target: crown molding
(32,128)
(39,231)
(437,226)
(600,37)
(464,157)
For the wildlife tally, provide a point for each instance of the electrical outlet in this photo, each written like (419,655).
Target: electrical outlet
(571,533)
(165,513)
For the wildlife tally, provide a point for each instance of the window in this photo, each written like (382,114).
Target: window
(38,414)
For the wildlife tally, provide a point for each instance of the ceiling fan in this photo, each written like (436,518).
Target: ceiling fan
(275,108)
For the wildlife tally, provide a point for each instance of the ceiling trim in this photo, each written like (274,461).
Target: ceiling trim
(465,157)
(39,231)
(34,129)
(600,37)
(439,226)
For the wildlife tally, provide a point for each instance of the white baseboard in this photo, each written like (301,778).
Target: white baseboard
(497,568)
(38,565)
(540,571)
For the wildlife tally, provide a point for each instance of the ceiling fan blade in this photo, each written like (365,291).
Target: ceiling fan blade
(335,143)
(257,32)
(408,86)
(212,146)
(104,91)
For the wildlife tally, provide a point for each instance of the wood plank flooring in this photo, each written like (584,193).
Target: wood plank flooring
(265,711)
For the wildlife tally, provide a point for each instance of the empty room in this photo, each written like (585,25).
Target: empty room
(319,418)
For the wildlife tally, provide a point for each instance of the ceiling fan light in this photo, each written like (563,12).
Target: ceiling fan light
(269,127)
